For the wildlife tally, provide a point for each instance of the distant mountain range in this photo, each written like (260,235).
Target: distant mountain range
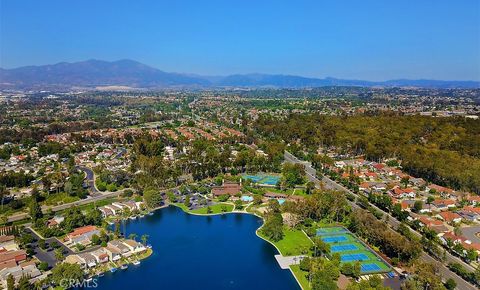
(129,73)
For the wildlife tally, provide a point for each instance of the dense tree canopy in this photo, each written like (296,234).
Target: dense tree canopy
(441,150)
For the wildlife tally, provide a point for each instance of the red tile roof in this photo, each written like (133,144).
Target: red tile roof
(449,216)
(82,230)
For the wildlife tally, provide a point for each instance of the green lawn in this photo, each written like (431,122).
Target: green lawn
(301,276)
(295,242)
(216,208)
(60,198)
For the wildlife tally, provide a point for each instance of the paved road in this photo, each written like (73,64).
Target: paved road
(90,177)
(471,233)
(89,199)
(393,222)
(94,195)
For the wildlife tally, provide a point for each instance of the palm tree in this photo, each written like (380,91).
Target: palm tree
(3,192)
(132,236)
(144,239)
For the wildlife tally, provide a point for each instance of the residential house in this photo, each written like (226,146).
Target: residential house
(106,212)
(113,253)
(470,213)
(82,235)
(444,191)
(398,192)
(134,246)
(55,221)
(121,247)
(449,217)
(25,269)
(10,258)
(90,260)
(8,243)
(100,255)
(443,204)
(76,259)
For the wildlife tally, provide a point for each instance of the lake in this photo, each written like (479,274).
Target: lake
(201,252)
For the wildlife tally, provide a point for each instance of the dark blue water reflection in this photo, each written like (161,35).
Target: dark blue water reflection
(198,252)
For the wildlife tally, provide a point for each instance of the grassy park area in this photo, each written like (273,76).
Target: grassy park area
(301,276)
(295,242)
(215,209)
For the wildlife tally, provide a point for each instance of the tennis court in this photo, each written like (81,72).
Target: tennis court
(334,239)
(370,267)
(263,179)
(343,248)
(353,257)
(331,230)
(352,250)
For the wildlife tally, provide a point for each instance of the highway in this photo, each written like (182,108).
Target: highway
(393,222)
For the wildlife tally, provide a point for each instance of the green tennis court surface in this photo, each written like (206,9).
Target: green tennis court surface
(263,179)
(351,250)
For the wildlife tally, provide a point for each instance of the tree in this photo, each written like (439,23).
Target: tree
(238,204)
(347,269)
(257,199)
(152,198)
(132,236)
(24,283)
(405,180)
(67,272)
(59,254)
(430,199)
(3,192)
(273,227)
(357,269)
(187,202)
(450,284)
(144,239)
(43,266)
(293,174)
(425,276)
(35,210)
(10,282)
(3,220)
(310,186)
(223,197)
(319,247)
(95,239)
(417,206)
(42,244)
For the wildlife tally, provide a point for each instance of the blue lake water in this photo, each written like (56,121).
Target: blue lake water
(199,252)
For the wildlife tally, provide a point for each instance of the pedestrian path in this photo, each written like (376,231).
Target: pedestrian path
(285,262)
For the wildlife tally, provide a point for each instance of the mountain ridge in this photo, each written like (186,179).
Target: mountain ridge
(126,72)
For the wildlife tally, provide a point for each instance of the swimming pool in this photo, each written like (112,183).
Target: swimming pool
(281,201)
(246,198)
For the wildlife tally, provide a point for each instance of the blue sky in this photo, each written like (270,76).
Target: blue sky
(372,40)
